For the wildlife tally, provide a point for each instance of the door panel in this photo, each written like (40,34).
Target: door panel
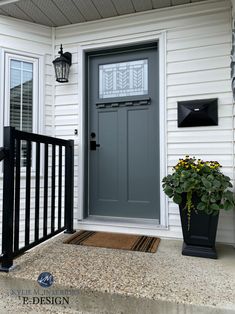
(139,170)
(123,119)
(107,163)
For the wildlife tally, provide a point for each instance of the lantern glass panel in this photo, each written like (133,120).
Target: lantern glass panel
(62,71)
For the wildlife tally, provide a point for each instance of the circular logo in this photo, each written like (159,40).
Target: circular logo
(45,279)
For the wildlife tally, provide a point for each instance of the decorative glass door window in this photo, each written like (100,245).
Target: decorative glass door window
(123,79)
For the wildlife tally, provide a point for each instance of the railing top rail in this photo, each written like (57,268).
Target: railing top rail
(39,138)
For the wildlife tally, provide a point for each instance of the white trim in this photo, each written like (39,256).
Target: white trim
(122,220)
(41,105)
(233,8)
(35,109)
(164,217)
(41,94)
(81,130)
(116,222)
(4,2)
(233,161)
(128,40)
(38,62)
(2,96)
(148,16)
(8,57)
(2,66)
(233,123)
(129,228)
(53,80)
(40,81)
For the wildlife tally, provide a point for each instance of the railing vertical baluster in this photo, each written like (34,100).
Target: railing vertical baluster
(17,194)
(53,190)
(69,186)
(37,192)
(8,200)
(60,187)
(45,190)
(28,190)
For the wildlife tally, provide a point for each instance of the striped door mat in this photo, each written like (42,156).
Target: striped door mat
(115,241)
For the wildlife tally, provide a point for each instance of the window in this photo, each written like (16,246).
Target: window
(21,95)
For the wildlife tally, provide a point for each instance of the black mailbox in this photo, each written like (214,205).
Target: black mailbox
(200,112)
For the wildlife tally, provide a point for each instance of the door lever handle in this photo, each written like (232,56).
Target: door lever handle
(93,145)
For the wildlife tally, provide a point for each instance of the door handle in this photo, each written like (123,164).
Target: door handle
(93,145)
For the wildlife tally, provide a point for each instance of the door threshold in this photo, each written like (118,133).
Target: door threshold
(122,222)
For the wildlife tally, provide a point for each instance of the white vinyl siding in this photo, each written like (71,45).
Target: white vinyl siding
(26,43)
(198,45)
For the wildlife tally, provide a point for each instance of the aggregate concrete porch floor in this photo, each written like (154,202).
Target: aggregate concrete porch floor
(116,281)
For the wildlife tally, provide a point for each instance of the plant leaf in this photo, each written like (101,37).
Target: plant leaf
(177,199)
(214,207)
(228,205)
(201,206)
(206,183)
(168,191)
(216,183)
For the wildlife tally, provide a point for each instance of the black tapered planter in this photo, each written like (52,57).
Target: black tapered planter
(199,239)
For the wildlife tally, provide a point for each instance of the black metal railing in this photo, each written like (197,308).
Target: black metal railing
(42,153)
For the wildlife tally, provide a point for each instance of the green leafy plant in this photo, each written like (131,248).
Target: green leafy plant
(202,179)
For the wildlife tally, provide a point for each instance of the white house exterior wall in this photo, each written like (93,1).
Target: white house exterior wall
(197,62)
(28,39)
(31,40)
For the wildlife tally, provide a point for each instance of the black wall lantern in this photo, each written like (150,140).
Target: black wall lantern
(62,65)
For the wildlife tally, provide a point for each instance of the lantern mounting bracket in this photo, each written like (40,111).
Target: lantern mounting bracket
(66,55)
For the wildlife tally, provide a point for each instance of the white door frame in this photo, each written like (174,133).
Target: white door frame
(119,42)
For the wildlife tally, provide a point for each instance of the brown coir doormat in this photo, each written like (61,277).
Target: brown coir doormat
(115,241)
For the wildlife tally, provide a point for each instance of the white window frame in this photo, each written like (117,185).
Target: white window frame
(35,109)
(38,96)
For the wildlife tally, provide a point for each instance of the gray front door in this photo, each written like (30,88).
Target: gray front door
(123,133)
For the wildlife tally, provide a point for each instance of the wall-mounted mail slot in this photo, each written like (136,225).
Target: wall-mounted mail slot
(203,112)
(129,103)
